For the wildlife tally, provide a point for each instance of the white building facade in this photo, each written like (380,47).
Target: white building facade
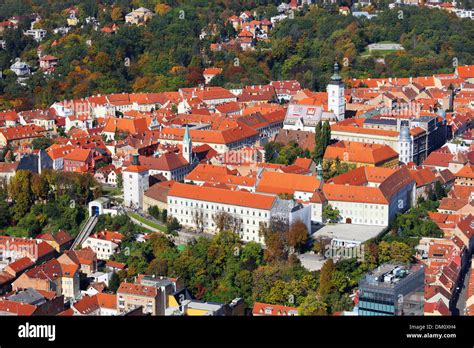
(135,182)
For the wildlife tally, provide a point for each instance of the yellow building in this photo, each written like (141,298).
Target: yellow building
(465,177)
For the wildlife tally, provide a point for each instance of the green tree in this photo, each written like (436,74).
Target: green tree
(154,211)
(164,216)
(319,141)
(173,225)
(326,278)
(440,192)
(331,214)
(272,150)
(21,193)
(326,135)
(313,305)
(41,143)
(114,282)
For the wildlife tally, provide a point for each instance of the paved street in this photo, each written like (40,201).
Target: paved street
(461,304)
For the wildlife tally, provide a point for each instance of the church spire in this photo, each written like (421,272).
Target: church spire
(319,171)
(186,137)
(187,146)
(336,76)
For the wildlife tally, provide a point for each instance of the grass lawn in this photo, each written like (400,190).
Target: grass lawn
(147,222)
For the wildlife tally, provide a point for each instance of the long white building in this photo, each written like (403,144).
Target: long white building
(367,195)
(196,206)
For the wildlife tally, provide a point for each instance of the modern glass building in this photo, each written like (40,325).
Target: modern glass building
(392,290)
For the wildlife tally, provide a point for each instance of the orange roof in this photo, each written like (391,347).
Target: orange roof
(209,172)
(350,187)
(360,194)
(134,168)
(167,162)
(223,196)
(437,307)
(68,312)
(212,71)
(137,289)
(273,310)
(79,155)
(465,71)
(86,305)
(466,172)
(423,176)
(356,125)
(22,132)
(438,159)
(110,236)
(275,183)
(20,264)
(107,300)
(132,126)
(453,204)
(85,256)
(460,192)
(352,151)
(115,264)
(56,151)
(304,163)
(245,33)
(18,308)
(226,136)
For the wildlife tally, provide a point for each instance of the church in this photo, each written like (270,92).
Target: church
(304,114)
(169,166)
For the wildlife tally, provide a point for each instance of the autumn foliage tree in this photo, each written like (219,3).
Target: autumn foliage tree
(298,235)
(325,281)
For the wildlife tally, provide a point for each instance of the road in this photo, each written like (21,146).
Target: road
(461,304)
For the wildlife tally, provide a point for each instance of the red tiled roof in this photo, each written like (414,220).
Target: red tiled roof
(22,132)
(115,264)
(266,309)
(351,151)
(350,186)
(452,204)
(86,305)
(56,151)
(439,307)
(167,162)
(423,176)
(466,172)
(20,265)
(132,126)
(465,71)
(110,236)
(208,194)
(212,71)
(84,256)
(108,301)
(274,182)
(18,308)
(137,289)
(67,312)
(78,155)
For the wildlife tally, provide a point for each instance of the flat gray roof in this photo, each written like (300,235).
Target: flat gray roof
(101,200)
(349,232)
